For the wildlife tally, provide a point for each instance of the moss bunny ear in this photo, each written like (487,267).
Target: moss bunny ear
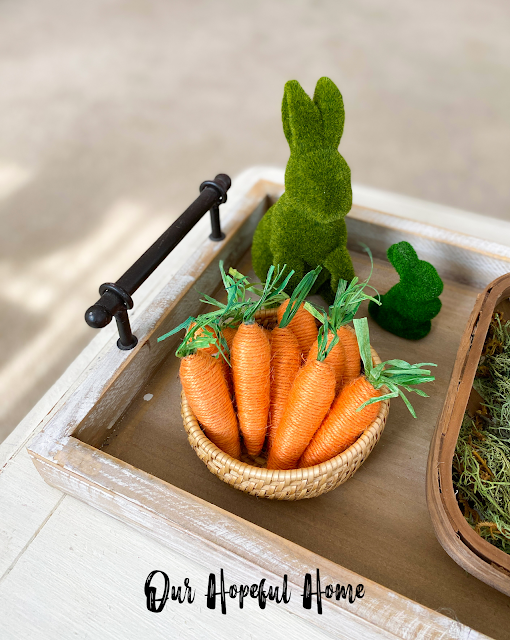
(300,116)
(402,256)
(329,101)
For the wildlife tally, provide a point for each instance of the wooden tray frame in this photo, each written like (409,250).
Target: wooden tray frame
(465,546)
(188,524)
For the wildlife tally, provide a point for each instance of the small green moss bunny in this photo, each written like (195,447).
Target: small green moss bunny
(306,227)
(407,308)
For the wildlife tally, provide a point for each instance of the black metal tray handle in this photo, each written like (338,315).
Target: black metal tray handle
(115,300)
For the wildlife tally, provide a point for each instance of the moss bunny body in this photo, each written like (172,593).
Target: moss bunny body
(306,227)
(408,308)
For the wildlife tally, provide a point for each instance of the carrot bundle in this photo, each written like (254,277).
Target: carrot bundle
(358,403)
(309,400)
(294,405)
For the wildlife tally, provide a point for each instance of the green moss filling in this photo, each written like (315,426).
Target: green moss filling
(481,464)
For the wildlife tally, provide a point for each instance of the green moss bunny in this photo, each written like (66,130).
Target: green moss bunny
(407,308)
(306,227)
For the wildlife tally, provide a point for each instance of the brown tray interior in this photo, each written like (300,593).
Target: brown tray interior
(377,524)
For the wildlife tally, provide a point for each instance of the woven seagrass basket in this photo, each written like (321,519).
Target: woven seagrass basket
(250,475)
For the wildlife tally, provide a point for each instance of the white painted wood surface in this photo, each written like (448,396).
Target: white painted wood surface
(67,570)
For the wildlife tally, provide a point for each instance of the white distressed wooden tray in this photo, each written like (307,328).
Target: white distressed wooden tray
(128,457)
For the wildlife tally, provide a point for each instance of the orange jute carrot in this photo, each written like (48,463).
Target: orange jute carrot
(345,357)
(352,366)
(225,320)
(343,424)
(336,359)
(213,350)
(206,391)
(203,381)
(285,364)
(358,403)
(309,401)
(286,354)
(228,334)
(250,357)
(303,326)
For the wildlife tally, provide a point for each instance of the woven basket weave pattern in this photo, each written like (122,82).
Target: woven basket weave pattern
(296,484)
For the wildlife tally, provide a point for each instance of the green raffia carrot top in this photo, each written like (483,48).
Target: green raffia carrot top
(393,374)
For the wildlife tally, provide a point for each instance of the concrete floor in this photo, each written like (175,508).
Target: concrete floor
(112,113)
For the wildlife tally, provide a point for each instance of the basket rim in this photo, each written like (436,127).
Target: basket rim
(343,459)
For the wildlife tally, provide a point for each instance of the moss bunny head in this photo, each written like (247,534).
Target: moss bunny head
(316,175)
